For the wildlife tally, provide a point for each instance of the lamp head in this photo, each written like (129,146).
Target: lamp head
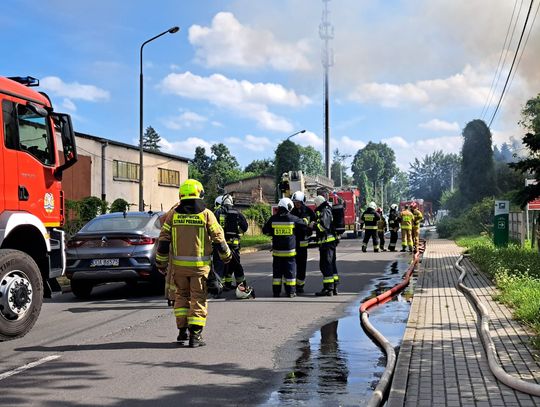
(174,30)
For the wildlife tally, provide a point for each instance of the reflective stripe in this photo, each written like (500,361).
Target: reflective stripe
(328,280)
(336,277)
(197,321)
(290,282)
(214,227)
(234,241)
(276,281)
(166,227)
(328,239)
(304,243)
(227,279)
(161,257)
(283,228)
(282,223)
(371,227)
(284,253)
(181,312)
(190,261)
(300,282)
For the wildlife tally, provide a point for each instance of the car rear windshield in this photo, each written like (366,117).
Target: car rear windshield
(116,224)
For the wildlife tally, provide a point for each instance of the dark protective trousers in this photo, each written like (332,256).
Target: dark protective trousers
(368,234)
(327,262)
(393,239)
(380,234)
(301,264)
(217,263)
(284,271)
(234,267)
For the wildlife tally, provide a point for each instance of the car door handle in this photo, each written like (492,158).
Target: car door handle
(23,193)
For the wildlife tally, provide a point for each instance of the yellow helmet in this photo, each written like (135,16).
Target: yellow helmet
(191,189)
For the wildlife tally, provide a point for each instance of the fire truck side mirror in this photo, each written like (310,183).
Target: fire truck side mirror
(62,123)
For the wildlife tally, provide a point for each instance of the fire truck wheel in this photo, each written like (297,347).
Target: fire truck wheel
(21,293)
(81,289)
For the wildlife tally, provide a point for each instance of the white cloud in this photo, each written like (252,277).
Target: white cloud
(309,139)
(73,90)
(467,88)
(246,98)
(406,151)
(229,43)
(347,145)
(436,124)
(185,120)
(69,105)
(250,142)
(185,148)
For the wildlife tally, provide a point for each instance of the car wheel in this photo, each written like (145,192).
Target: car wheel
(21,294)
(81,289)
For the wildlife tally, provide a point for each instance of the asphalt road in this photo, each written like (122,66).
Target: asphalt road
(118,348)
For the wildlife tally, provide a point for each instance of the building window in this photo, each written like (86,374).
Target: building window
(169,177)
(125,171)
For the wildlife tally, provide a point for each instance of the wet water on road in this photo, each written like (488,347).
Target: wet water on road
(339,365)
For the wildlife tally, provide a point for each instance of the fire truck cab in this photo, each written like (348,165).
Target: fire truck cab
(31,201)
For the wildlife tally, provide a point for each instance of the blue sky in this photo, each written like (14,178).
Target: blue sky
(248,73)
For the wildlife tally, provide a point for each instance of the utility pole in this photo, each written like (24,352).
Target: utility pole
(326,33)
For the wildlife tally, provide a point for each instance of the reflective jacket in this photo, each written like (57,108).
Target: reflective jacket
(285,230)
(381,224)
(369,219)
(324,225)
(187,233)
(418,217)
(307,215)
(224,215)
(406,217)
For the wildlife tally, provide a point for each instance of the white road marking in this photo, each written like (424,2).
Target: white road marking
(28,366)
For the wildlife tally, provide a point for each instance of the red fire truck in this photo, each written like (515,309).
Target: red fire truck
(349,197)
(31,201)
(426,207)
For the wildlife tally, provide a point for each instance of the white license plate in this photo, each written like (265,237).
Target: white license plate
(104,262)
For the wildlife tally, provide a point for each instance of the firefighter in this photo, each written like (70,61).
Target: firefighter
(381,228)
(326,238)
(418,217)
(187,234)
(234,224)
(369,220)
(284,229)
(406,220)
(307,215)
(393,225)
(170,288)
(217,263)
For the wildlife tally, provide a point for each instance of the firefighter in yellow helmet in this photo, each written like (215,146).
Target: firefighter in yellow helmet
(418,217)
(187,234)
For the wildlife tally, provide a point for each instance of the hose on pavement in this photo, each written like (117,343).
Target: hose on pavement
(489,346)
(378,394)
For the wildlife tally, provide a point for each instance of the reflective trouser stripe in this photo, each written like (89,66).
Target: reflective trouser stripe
(328,280)
(300,282)
(328,239)
(290,282)
(162,258)
(196,321)
(336,277)
(276,281)
(181,312)
(227,279)
(284,253)
(304,243)
(370,227)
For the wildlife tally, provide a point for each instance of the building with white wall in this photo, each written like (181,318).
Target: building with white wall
(109,170)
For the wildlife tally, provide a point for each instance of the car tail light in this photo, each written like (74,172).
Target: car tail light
(139,241)
(72,244)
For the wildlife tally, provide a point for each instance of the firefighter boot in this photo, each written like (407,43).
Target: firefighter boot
(290,291)
(364,248)
(276,289)
(195,336)
(335,291)
(326,291)
(299,289)
(182,335)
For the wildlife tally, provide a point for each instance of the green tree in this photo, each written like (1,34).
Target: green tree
(397,189)
(151,139)
(311,161)
(223,168)
(287,158)
(531,164)
(119,205)
(477,179)
(338,171)
(431,176)
(261,167)
(90,207)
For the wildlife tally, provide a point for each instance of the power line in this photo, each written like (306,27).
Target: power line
(512,66)
(499,65)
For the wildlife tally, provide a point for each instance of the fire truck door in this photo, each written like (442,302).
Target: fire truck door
(38,190)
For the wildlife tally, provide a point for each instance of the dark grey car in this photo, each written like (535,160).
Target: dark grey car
(114,247)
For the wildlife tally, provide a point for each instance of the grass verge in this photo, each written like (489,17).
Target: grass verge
(516,273)
(248,241)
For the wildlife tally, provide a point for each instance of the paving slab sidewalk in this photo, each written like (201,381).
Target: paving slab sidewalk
(442,361)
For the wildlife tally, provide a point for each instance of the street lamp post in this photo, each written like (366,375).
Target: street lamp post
(141,200)
(294,134)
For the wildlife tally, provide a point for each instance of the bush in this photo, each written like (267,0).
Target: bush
(90,207)
(119,205)
(474,221)
(258,213)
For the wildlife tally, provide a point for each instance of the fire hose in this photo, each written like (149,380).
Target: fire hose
(489,346)
(385,381)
